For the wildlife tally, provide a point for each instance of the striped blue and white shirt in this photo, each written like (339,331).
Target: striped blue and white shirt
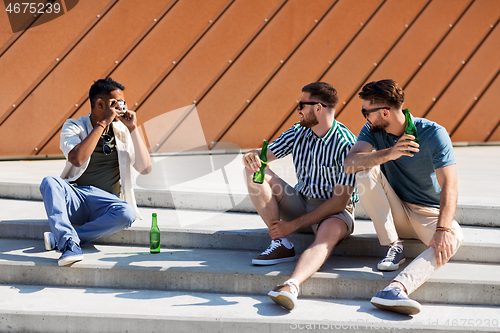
(318,161)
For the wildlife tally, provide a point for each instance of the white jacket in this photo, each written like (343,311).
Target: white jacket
(75,131)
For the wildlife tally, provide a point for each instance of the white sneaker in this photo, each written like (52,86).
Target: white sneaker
(285,294)
(50,241)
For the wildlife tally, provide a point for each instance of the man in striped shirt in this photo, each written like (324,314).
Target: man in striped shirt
(324,197)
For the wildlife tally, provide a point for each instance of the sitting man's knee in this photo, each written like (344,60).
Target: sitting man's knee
(332,231)
(48,182)
(364,175)
(125,214)
(128,215)
(459,236)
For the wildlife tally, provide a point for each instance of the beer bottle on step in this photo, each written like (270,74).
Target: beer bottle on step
(154,236)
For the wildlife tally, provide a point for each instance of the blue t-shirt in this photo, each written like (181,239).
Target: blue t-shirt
(414,178)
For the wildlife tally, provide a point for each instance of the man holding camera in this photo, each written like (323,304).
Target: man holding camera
(99,150)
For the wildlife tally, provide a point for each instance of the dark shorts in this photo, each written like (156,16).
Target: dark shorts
(294,205)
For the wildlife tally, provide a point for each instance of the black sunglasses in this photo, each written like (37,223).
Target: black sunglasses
(301,104)
(106,148)
(366,112)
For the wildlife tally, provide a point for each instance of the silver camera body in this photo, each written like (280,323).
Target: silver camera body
(122,106)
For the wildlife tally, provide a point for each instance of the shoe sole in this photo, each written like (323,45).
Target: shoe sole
(267,262)
(46,240)
(283,298)
(408,307)
(391,268)
(70,259)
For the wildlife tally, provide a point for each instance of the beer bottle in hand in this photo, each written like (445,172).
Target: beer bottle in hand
(258,177)
(410,126)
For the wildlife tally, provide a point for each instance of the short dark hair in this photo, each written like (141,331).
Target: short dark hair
(323,92)
(102,88)
(383,92)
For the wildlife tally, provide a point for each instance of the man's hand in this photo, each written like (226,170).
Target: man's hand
(142,158)
(129,119)
(251,160)
(444,243)
(280,229)
(110,114)
(404,147)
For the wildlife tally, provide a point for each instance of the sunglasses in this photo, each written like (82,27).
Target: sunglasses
(301,104)
(366,112)
(106,148)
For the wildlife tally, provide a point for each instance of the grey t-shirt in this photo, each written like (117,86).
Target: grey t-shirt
(103,170)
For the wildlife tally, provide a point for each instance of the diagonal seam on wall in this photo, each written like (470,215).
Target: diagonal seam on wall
(474,104)
(348,100)
(53,66)
(108,72)
(18,35)
(333,62)
(273,74)
(224,70)
(438,45)
(458,73)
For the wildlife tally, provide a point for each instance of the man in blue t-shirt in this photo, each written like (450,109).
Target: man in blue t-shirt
(409,189)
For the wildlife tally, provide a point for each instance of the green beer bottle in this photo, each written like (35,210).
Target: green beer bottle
(410,126)
(154,237)
(258,177)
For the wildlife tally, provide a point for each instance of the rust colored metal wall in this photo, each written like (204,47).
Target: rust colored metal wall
(242,64)
(276,103)
(409,54)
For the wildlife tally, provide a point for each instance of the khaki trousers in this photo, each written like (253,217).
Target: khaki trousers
(394,218)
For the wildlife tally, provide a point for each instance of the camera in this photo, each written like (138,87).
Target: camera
(122,106)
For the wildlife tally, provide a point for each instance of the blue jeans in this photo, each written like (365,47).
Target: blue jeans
(97,212)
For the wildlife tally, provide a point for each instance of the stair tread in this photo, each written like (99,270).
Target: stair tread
(157,310)
(101,256)
(27,211)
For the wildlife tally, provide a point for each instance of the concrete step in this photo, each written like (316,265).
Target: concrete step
(230,271)
(26,219)
(210,249)
(467,214)
(215,182)
(87,310)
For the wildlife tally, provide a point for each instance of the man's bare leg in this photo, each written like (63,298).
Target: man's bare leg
(329,233)
(266,196)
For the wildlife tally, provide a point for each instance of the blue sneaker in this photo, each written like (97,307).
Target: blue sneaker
(396,300)
(394,257)
(71,253)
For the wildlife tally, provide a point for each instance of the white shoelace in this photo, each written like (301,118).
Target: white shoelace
(391,254)
(273,246)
